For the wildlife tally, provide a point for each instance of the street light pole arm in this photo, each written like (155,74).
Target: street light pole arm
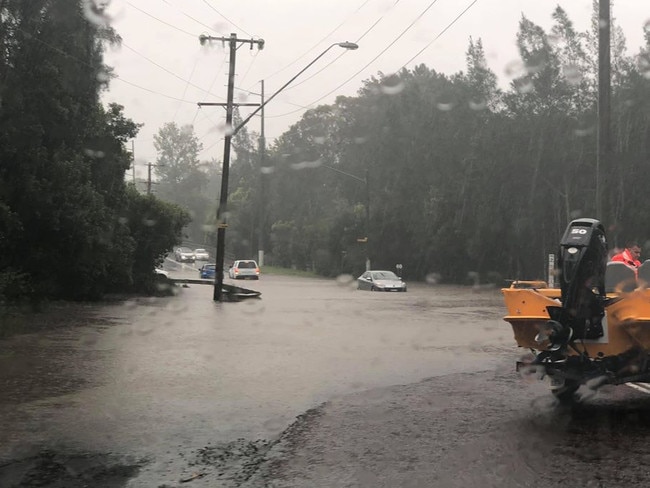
(346,45)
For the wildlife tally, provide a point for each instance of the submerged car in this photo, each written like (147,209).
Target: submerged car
(207,271)
(380,280)
(201,255)
(244,269)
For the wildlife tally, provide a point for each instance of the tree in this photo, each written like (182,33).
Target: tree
(62,190)
(181,179)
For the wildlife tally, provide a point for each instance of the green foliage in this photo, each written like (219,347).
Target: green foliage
(182,178)
(466,181)
(63,199)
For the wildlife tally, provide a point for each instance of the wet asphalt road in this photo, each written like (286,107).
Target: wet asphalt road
(160,391)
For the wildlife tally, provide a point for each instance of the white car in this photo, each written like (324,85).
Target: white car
(244,269)
(201,255)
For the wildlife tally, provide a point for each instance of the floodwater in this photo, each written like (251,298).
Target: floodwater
(149,375)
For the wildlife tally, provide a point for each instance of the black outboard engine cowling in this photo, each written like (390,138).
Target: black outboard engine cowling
(581,266)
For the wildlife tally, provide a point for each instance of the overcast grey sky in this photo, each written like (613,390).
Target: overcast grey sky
(164,71)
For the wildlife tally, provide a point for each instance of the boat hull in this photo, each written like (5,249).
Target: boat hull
(626,325)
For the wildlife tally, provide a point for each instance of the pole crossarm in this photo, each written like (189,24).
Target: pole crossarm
(204,38)
(224,104)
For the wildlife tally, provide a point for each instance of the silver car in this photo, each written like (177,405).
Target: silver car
(380,281)
(184,255)
(201,255)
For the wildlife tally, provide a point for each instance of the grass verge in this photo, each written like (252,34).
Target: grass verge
(275,270)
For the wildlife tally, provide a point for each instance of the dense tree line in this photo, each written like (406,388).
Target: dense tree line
(70,227)
(465,179)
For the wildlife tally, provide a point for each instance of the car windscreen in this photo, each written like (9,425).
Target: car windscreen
(247,264)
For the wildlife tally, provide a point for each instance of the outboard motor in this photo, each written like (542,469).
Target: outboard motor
(581,266)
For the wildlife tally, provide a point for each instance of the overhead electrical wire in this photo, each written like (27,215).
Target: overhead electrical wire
(190,17)
(208,91)
(400,35)
(440,34)
(167,70)
(112,76)
(227,19)
(185,89)
(319,42)
(420,52)
(162,21)
(295,85)
(117,77)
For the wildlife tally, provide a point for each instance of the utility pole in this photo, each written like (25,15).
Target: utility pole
(604,98)
(133,159)
(233,42)
(149,166)
(262,206)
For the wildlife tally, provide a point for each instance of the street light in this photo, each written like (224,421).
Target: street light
(223,199)
(345,45)
(364,180)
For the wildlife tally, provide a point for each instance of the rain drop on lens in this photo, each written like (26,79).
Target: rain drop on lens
(515,69)
(433,278)
(306,164)
(572,74)
(524,86)
(94,12)
(445,107)
(388,88)
(477,105)
(344,279)
(584,131)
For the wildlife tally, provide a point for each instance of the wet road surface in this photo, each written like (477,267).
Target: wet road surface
(162,390)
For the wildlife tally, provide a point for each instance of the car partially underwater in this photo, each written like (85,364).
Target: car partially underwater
(594,329)
(380,280)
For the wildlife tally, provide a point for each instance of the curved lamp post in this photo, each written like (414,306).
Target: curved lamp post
(345,45)
(223,198)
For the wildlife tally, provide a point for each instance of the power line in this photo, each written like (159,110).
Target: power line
(227,19)
(119,78)
(319,42)
(343,53)
(189,16)
(419,52)
(185,89)
(441,33)
(168,71)
(162,21)
(113,76)
(401,34)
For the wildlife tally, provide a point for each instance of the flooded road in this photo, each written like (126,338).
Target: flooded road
(315,384)
(141,375)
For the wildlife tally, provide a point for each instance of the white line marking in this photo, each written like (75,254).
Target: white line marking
(642,387)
